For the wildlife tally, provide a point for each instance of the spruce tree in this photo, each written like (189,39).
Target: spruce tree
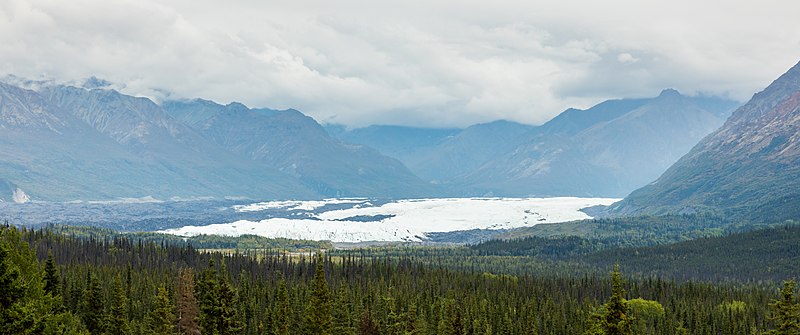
(506,326)
(786,312)
(208,301)
(52,281)
(342,320)
(412,321)
(614,319)
(162,315)
(93,307)
(12,291)
(617,320)
(228,322)
(281,313)
(118,318)
(318,312)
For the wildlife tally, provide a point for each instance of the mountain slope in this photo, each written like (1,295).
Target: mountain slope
(466,151)
(297,145)
(49,154)
(439,155)
(607,150)
(67,143)
(749,168)
(394,141)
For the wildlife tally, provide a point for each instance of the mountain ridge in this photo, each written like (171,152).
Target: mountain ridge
(749,168)
(609,149)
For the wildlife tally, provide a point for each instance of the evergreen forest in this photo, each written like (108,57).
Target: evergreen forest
(55,283)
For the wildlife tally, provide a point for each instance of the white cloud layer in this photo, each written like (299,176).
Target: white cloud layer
(422,63)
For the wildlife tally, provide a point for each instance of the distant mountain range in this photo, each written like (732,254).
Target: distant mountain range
(295,144)
(607,150)
(748,169)
(66,143)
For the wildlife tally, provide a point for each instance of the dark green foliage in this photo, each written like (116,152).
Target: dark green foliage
(162,315)
(617,319)
(118,318)
(318,311)
(282,312)
(217,302)
(13,317)
(228,322)
(11,289)
(380,291)
(242,242)
(614,318)
(93,308)
(619,232)
(25,308)
(786,312)
(52,282)
(342,317)
(765,254)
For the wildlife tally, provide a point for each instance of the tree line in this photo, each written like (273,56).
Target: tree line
(54,284)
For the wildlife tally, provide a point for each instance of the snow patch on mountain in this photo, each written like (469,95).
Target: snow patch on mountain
(402,220)
(20,197)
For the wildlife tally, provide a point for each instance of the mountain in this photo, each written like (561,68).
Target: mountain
(394,141)
(67,143)
(297,145)
(438,155)
(749,168)
(466,151)
(607,150)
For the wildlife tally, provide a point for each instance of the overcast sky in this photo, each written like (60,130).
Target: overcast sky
(422,63)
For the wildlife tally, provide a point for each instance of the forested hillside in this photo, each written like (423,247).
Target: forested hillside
(769,254)
(117,286)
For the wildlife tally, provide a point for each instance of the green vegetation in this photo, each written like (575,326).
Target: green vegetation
(243,242)
(121,286)
(614,318)
(766,254)
(786,312)
(641,230)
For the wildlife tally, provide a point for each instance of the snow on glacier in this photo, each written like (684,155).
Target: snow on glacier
(402,220)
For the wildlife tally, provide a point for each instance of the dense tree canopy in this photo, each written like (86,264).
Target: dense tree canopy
(122,286)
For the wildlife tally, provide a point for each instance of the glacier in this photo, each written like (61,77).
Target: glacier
(359,220)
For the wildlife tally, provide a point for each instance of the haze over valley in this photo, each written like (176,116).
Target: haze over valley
(399,168)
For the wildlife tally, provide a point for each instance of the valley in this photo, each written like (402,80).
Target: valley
(412,168)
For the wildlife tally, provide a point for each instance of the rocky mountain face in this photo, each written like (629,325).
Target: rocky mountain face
(67,143)
(297,145)
(47,151)
(607,150)
(749,168)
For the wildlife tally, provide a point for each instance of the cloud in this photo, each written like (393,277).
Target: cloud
(626,58)
(444,63)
